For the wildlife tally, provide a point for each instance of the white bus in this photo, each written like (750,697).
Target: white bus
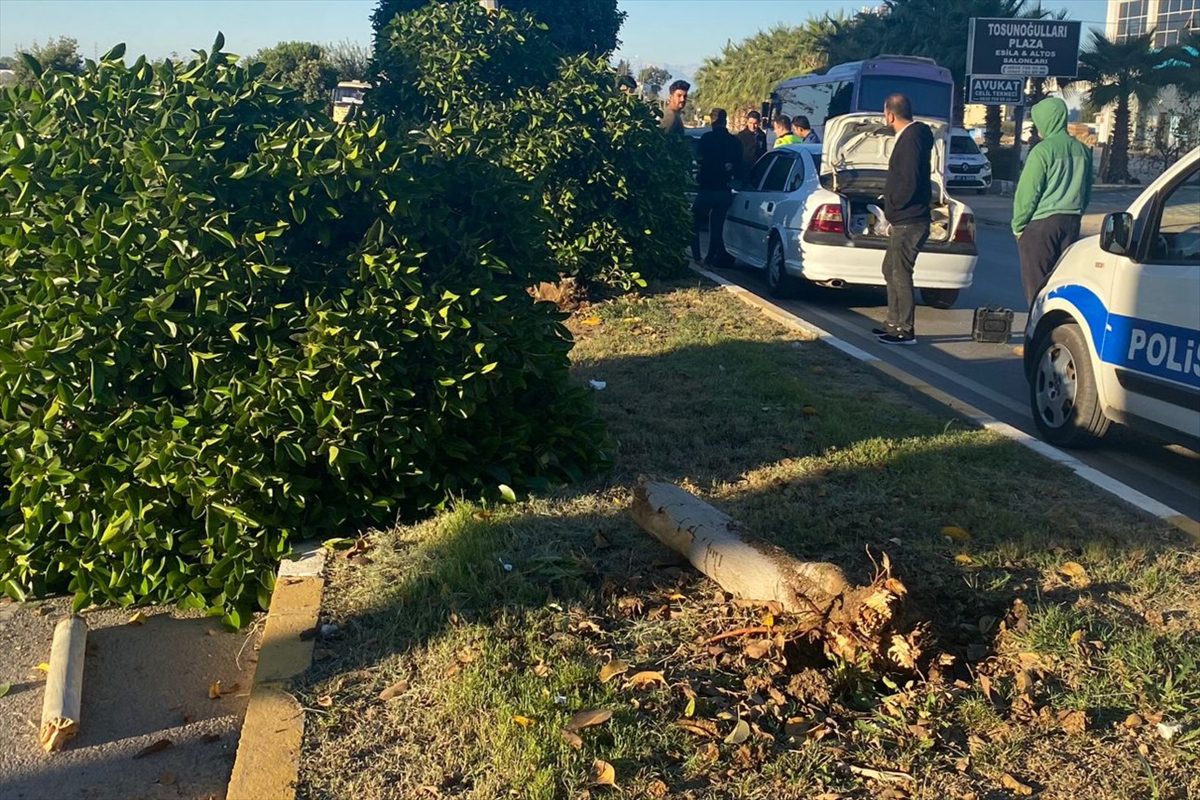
(862,86)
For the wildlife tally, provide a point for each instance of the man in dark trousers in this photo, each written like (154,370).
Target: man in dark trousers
(720,157)
(753,139)
(1051,196)
(906,204)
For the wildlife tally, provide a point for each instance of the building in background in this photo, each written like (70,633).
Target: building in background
(1169,19)
(1171,116)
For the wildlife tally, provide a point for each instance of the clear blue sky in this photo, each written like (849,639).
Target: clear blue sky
(678,32)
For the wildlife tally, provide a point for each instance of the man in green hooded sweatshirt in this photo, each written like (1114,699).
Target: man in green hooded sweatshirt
(1051,196)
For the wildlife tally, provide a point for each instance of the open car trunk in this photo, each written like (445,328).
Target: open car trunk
(854,162)
(862,191)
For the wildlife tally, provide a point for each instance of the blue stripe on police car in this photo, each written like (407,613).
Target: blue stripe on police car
(1152,348)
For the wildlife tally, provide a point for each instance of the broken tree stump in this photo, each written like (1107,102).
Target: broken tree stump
(64,684)
(850,620)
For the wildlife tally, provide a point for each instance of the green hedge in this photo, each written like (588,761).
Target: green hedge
(227,324)
(611,186)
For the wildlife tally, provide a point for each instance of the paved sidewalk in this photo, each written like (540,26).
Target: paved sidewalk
(142,684)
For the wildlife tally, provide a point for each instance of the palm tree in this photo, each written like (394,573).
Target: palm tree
(1117,72)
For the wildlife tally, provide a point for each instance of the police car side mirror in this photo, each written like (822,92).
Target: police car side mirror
(1116,235)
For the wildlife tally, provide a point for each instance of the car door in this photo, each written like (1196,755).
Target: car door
(739,233)
(760,210)
(1152,338)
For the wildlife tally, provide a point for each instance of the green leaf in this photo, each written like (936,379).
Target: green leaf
(115,54)
(507,493)
(5,688)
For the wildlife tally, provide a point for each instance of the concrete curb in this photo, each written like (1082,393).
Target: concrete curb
(268,756)
(1121,491)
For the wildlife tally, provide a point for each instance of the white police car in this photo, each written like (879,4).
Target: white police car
(966,165)
(1115,334)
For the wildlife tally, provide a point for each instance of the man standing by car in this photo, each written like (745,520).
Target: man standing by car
(803,128)
(753,139)
(1051,196)
(783,131)
(906,197)
(720,156)
(677,96)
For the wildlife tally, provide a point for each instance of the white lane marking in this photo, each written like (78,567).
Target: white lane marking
(1092,475)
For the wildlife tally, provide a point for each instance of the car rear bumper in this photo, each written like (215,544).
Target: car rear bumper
(953,268)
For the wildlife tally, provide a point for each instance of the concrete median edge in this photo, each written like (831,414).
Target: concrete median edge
(268,756)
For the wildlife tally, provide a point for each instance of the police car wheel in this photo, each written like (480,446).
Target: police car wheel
(1062,389)
(779,283)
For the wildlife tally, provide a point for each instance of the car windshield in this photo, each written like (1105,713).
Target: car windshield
(929,98)
(963,145)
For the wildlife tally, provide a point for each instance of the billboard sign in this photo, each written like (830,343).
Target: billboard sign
(995,90)
(1042,48)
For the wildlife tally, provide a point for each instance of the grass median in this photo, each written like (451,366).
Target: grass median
(551,649)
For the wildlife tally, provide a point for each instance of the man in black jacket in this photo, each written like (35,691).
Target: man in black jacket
(720,156)
(906,204)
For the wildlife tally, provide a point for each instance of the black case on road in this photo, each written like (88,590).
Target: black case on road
(992,325)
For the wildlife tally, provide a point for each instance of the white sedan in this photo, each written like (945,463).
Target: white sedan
(812,213)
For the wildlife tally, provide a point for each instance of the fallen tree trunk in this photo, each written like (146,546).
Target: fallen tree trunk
(64,684)
(850,620)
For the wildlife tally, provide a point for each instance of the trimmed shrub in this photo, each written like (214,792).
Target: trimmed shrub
(611,185)
(227,324)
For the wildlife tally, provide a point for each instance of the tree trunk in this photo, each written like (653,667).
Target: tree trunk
(992,129)
(849,620)
(1118,162)
(1037,93)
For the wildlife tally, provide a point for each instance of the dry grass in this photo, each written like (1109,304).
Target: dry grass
(497,621)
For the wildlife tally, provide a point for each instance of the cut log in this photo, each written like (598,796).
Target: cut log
(64,684)
(850,620)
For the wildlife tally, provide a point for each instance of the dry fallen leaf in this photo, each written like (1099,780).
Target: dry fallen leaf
(1075,572)
(216,691)
(739,734)
(956,534)
(1133,721)
(325,701)
(768,620)
(689,711)
(137,619)
(602,774)
(524,722)
(757,648)
(573,739)
(656,788)
(963,559)
(589,718)
(43,667)
(395,690)
(1015,786)
(645,678)
(592,321)
(1073,722)
(612,669)
(699,727)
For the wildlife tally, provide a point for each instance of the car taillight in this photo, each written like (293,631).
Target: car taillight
(965,232)
(828,219)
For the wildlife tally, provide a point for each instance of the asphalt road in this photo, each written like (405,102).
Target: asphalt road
(990,376)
